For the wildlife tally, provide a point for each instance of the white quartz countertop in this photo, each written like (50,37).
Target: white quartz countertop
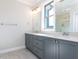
(59,36)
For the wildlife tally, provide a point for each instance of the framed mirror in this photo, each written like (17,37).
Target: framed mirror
(61,16)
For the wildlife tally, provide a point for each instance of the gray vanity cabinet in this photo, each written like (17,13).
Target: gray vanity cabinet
(67,50)
(51,48)
(60,49)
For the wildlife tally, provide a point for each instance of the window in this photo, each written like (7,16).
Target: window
(49,16)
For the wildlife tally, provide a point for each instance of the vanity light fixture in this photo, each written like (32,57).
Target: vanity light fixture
(35,11)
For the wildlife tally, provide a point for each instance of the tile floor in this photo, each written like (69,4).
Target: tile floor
(19,54)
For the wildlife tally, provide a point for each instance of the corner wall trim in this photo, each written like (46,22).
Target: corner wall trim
(11,49)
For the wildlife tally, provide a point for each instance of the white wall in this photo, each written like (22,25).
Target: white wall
(13,12)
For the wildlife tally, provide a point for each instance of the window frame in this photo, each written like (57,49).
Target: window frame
(46,19)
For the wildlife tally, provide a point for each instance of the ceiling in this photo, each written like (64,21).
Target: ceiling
(60,6)
(32,3)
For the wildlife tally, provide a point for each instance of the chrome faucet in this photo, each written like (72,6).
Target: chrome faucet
(65,33)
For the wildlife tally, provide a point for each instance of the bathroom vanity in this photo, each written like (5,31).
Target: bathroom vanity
(48,47)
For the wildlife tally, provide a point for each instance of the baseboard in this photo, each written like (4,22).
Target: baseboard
(11,49)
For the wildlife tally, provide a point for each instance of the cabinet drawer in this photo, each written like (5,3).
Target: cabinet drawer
(38,43)
(38,52)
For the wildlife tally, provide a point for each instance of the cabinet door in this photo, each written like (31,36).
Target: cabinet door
(50,49)
(76,51)
(66,50)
